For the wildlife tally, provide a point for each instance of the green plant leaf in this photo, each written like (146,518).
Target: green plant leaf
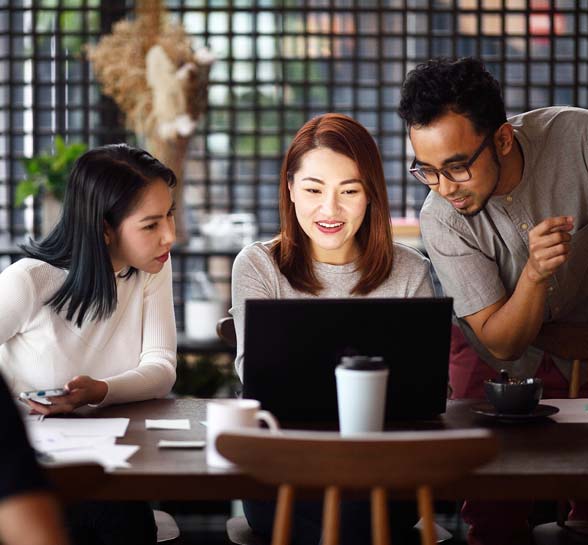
(50,171)
(59,146)
(31,165)
(201,378)
(23,190)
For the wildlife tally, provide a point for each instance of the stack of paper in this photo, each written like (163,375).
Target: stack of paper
(67,440)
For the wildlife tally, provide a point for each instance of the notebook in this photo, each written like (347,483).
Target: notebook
(292,347)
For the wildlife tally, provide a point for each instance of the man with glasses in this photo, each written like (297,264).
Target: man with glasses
(506,228)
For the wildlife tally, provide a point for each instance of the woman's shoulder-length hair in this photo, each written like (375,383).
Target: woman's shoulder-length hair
(291,248)
(105,185)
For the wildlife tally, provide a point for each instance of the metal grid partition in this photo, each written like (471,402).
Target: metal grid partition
(278,65)
(46,90)
(279,62)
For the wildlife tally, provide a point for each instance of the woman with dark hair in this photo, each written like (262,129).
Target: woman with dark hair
(335,241)
(90,308)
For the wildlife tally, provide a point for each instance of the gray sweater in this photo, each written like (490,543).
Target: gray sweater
(257,276)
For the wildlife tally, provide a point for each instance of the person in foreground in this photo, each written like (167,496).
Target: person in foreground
(90,308)
(335,241)
(506,227)
(28,511)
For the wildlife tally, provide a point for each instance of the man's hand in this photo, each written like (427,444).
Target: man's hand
(82,390)
(549,245)
(569,341)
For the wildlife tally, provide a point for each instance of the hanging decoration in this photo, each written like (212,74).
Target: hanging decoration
(160,83)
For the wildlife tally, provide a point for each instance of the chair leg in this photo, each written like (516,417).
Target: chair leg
(425,501)
(283,518)
(380,521)
(331,516)
(575,380)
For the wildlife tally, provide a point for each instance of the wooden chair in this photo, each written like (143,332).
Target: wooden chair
(238,529)
(225,329)
(240,533)
(401,460)
(575,380)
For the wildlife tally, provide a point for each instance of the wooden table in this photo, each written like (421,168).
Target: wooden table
(543,460)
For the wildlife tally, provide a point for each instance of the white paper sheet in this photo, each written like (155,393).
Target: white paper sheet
(162,424)
(51,441)
(571,411)
(109,456)
(80,427)
(78,440)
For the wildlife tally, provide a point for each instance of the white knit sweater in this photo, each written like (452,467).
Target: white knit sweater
(134,350)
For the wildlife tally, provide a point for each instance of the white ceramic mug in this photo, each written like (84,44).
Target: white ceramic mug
(226,414)
(361,397)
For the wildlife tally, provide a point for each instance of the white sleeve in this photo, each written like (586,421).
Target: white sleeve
(156,371)
(17,302)
(251,279)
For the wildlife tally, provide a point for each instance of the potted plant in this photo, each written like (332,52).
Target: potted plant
(47,175)
(205,376)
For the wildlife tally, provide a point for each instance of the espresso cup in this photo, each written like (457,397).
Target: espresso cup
(514,396)
(230,414)
(361,394)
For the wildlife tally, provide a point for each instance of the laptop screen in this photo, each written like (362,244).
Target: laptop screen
(292,347)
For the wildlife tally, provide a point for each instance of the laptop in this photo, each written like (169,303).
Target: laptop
(292,347)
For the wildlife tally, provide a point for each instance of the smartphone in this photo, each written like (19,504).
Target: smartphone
(40,396)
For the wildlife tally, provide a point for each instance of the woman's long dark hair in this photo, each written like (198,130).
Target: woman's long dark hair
(106,183)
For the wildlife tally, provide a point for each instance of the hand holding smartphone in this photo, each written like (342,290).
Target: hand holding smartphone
(40,396)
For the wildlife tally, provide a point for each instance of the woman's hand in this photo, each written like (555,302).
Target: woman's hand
(82,390)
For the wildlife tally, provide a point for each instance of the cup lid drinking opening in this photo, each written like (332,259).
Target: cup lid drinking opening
(363,363)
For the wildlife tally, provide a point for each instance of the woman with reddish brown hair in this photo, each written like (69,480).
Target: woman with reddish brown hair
(335,241)
(335,238)
(320,141)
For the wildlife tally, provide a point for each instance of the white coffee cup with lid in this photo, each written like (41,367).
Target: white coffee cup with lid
(361,394)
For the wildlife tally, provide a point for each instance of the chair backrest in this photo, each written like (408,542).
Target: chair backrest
(225,329)
(574,388)
(401,460)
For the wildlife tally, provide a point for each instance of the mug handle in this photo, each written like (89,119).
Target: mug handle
(269,419)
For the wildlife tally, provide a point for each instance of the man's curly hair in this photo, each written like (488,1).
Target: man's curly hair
(463,86)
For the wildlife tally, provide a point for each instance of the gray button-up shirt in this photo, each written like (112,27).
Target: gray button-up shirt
(480,259)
